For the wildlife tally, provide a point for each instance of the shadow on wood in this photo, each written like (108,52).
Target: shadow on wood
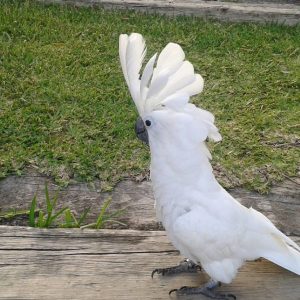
(114,264)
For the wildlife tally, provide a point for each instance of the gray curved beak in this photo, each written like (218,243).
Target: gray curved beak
(141,131)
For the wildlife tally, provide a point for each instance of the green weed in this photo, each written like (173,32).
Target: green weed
(71,221)
(64,217)
(105,217)
(14,214)
(47,218)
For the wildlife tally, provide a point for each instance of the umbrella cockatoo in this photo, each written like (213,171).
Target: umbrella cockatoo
(202,220)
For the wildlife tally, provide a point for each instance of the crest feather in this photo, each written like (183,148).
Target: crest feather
(169,78)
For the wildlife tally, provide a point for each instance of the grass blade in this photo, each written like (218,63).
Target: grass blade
(54,217)
(48,201)
(52,207)
(116,214)
(41,220)
(101,217)
(92,225)
(83,216)
(115,221)
(54,201)
(70,220)
(32,212)
(49,206)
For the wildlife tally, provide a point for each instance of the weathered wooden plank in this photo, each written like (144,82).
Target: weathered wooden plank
(227,11)
(83,241)
(113,264)
(281,205)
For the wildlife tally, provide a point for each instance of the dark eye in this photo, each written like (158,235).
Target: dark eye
(148,123)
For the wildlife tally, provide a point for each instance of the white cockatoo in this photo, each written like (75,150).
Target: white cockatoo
(202,220)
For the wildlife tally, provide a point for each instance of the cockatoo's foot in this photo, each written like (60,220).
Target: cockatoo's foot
(185,266)
(207,290)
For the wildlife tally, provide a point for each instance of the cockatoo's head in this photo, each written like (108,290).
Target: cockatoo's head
(186,127)
(162,93)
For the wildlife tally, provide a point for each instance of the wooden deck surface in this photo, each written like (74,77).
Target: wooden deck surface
(114,264)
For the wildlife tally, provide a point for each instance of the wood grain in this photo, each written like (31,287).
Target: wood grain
(114,264)
(281,205)
(226,11)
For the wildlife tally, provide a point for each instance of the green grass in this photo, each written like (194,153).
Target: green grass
(48,216)
(45,218)
(65,108)
(14,213)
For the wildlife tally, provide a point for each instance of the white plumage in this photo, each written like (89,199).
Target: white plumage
(201,219)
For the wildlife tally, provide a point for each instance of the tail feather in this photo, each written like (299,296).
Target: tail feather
(286,256)
(274,245)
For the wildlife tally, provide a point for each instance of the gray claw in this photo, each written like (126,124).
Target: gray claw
(155,271)
(207,290)
(185,266)
(172,291)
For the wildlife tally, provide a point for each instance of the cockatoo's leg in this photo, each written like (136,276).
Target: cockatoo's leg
(185,266)
(207,290)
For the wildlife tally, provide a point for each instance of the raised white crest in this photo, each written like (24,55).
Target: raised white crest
(167,78)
